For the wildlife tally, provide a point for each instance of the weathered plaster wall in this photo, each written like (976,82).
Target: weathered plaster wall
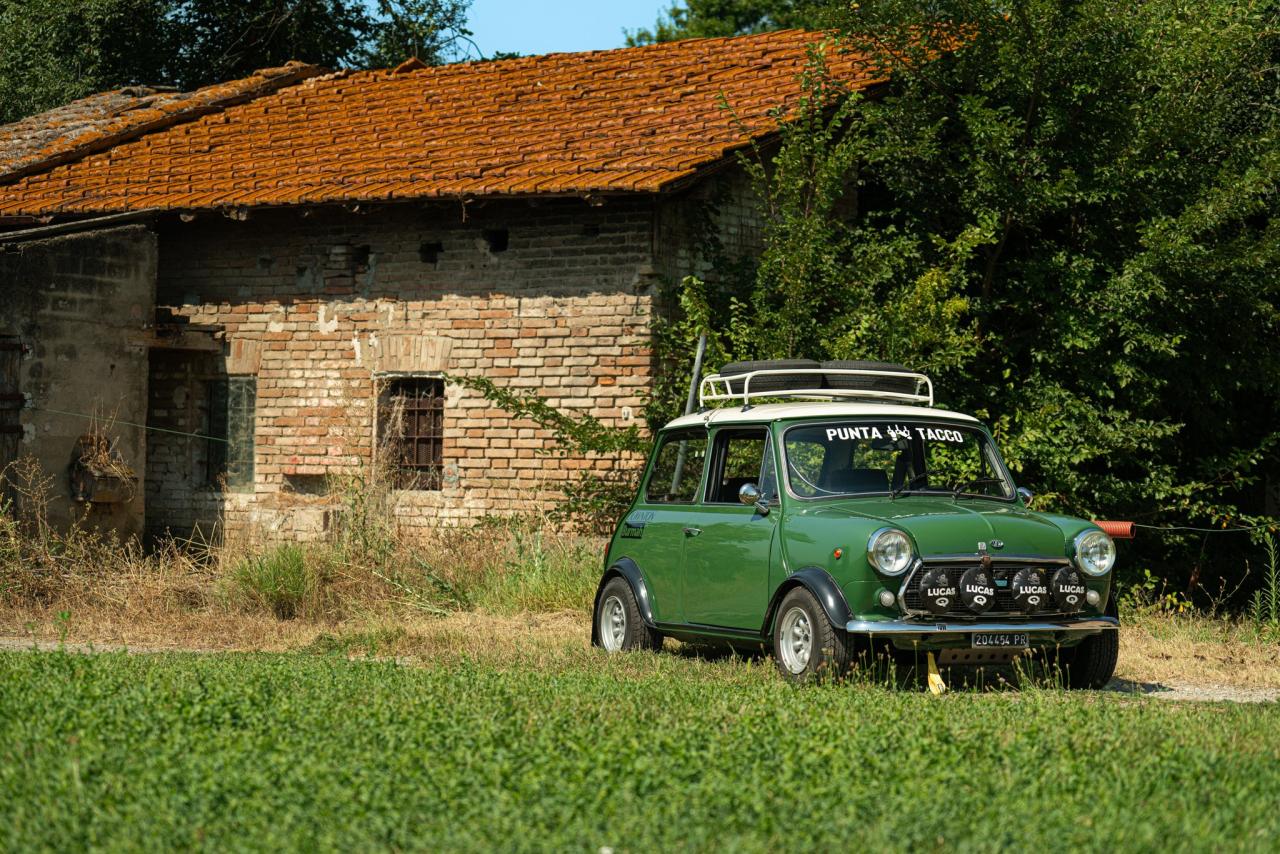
(80,303)
(317,306)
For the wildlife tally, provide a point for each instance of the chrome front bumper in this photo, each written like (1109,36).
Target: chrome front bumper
(901,628)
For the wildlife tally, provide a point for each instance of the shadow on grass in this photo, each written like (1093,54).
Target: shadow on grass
(1131,686)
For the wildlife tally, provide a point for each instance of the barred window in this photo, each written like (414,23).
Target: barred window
(411,430)
(231,415)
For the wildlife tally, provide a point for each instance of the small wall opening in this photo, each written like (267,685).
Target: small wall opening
(306,484)
(429,253)
(497,239)
(360,258)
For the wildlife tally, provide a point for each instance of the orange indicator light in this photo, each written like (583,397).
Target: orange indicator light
(837,553)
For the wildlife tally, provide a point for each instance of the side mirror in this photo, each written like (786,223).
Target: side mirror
(1025,494)
(749,495)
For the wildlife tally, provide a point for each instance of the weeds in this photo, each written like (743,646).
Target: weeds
(283,580)
(366,566)
(538,573)
(1265,607)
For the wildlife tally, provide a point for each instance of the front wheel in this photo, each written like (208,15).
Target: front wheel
(806,646)
(1090,664)
(619,626)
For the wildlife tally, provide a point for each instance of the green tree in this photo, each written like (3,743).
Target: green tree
(1068,212)
(54,51)
(216,40)
(696,19)
(434,31)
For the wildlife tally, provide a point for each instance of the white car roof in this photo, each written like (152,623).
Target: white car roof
(768,412)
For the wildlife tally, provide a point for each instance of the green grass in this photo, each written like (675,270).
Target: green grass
(632,752)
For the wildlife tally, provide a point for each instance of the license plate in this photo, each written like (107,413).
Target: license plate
(1000,639)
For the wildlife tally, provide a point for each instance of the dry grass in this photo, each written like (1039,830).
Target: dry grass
(471,634)
(1155,650)
(1187,649)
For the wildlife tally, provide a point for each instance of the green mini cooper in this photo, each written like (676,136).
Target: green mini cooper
(852,516)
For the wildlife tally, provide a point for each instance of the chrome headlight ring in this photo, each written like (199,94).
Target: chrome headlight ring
(890,551)
(1095,552)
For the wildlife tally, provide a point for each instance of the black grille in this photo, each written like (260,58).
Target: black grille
(1003,574)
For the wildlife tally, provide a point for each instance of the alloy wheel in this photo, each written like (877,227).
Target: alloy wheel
(795,640)
(613,624)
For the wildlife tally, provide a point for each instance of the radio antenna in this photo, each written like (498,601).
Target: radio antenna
(697,373)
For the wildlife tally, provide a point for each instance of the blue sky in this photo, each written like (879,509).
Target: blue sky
(546,26)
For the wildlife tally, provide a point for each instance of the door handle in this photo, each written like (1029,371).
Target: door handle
(692,532)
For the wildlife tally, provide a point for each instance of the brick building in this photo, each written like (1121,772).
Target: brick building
(251,287)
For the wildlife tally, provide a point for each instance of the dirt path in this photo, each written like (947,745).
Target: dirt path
(1196,693)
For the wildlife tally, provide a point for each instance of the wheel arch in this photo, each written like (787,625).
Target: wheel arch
(626,569)
(824,588)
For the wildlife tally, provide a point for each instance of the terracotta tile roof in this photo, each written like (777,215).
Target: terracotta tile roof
(630,120)
(100,121)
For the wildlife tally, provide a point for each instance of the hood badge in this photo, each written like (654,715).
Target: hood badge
(985,558)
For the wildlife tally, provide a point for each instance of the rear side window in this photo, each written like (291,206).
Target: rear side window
(677,469)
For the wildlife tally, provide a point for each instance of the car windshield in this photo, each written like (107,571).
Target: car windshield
(893,457)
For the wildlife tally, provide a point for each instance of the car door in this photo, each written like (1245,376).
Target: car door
(726,553)
(655,528)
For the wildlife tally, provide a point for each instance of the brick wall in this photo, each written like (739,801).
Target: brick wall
(555,297)
(715,222)
(79,304)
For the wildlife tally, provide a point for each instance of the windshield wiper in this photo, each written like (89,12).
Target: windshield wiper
(961,486)
(907,484)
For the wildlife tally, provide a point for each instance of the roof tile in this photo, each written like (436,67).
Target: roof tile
(628,120)
(100,121)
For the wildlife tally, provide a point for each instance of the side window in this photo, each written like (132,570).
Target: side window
(739,460)
(230,424)
(677,470)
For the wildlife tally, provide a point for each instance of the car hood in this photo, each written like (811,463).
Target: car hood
(942,526)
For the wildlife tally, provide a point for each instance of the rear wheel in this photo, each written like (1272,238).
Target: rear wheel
(806,646)
(619,626)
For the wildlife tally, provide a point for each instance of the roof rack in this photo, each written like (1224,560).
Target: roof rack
(816,384)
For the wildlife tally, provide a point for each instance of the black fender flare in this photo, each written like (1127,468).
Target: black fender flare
(624,568)
(824,588)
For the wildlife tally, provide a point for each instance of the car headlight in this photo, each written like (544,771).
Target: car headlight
(889,550)
(1095,552)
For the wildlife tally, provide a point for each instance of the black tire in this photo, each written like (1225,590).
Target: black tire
(829,650)
(634,633)
(890,384)
(1090,664)
(775,383)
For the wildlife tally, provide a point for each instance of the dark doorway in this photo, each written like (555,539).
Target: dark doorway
(11,401)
